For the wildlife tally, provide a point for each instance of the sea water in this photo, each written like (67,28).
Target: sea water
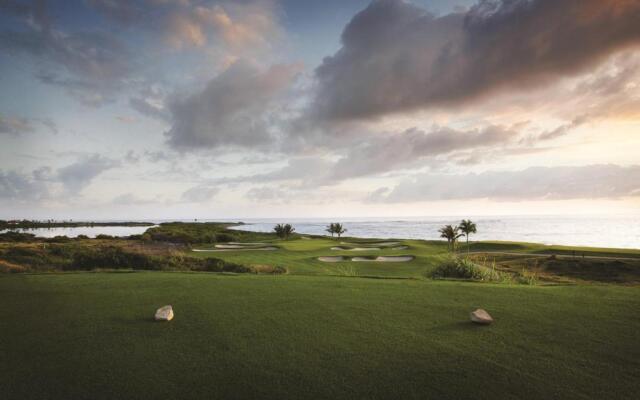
(600,231)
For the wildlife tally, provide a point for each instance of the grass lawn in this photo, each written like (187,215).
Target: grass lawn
(91,335)
(300,257)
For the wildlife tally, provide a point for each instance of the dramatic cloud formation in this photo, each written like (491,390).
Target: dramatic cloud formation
(395,56)
(233,110)
(295,104)
(536,183)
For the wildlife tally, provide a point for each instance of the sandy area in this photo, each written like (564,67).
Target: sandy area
(332,259)
(268,248)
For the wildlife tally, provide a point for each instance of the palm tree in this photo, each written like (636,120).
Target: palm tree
(339,229)
(283,231)
(467,227)
(331,228)
(451,233)
(279,230)
(288,231)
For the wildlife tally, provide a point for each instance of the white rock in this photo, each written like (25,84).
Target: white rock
(482,317)
(164,313)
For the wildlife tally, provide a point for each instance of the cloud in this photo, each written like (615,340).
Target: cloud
(200,194)
(15,125)
(382,153)
(91,65)
(268,194)
(81,173)
(22,188)
(123,11)
(20,125)
(397,57)
(233,110)
(239,27)
(393,151)
(535,183)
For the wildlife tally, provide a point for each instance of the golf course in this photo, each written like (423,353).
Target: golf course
(293,326)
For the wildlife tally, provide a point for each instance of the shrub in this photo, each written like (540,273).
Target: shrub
(224,237)
(104,237)
(463,268)
(12,236)
(268,269)
(82,237)
(58,239)
(110,258)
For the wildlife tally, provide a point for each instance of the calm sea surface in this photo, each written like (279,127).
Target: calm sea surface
(622,232)
(88,231)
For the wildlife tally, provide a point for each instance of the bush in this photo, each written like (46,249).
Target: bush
(83,237)
(58,239)
(13,236)
(104,237)
(463,268)
(224,237)
(110,258)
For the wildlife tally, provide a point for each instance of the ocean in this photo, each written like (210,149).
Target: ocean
(601,231)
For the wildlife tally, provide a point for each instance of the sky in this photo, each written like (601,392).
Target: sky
(161,109)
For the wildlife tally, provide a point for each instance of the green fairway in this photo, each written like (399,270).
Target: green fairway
(91,335)
(300,257)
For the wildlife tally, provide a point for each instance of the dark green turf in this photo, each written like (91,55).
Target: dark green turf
(91,335)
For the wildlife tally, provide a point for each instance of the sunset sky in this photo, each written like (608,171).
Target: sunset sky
(116,109)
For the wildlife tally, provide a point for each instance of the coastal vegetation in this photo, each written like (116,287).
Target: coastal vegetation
(452,234)
(336,228)
(35,224)
(284,231)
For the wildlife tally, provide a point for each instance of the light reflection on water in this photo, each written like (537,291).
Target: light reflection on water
(88,231)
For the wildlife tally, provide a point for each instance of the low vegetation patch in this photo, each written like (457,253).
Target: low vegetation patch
(209,232)
(74,257)
(464,268)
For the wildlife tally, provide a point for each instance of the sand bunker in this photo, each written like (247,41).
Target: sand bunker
(367,259)
(355,248)
(332,259)
(395,258)
(247,244)
(400,248)
(384,259)
(373,244)
(266,248)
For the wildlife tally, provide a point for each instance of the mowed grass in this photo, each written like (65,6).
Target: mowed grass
(300,257)
(91,336)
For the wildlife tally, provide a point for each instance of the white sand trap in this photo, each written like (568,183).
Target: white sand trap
(374,245)
(340,248)
(361,259)
(331,259)
(268,248)
(384,259)
(228,246)
(400,248)
(394,258)
(246,244)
